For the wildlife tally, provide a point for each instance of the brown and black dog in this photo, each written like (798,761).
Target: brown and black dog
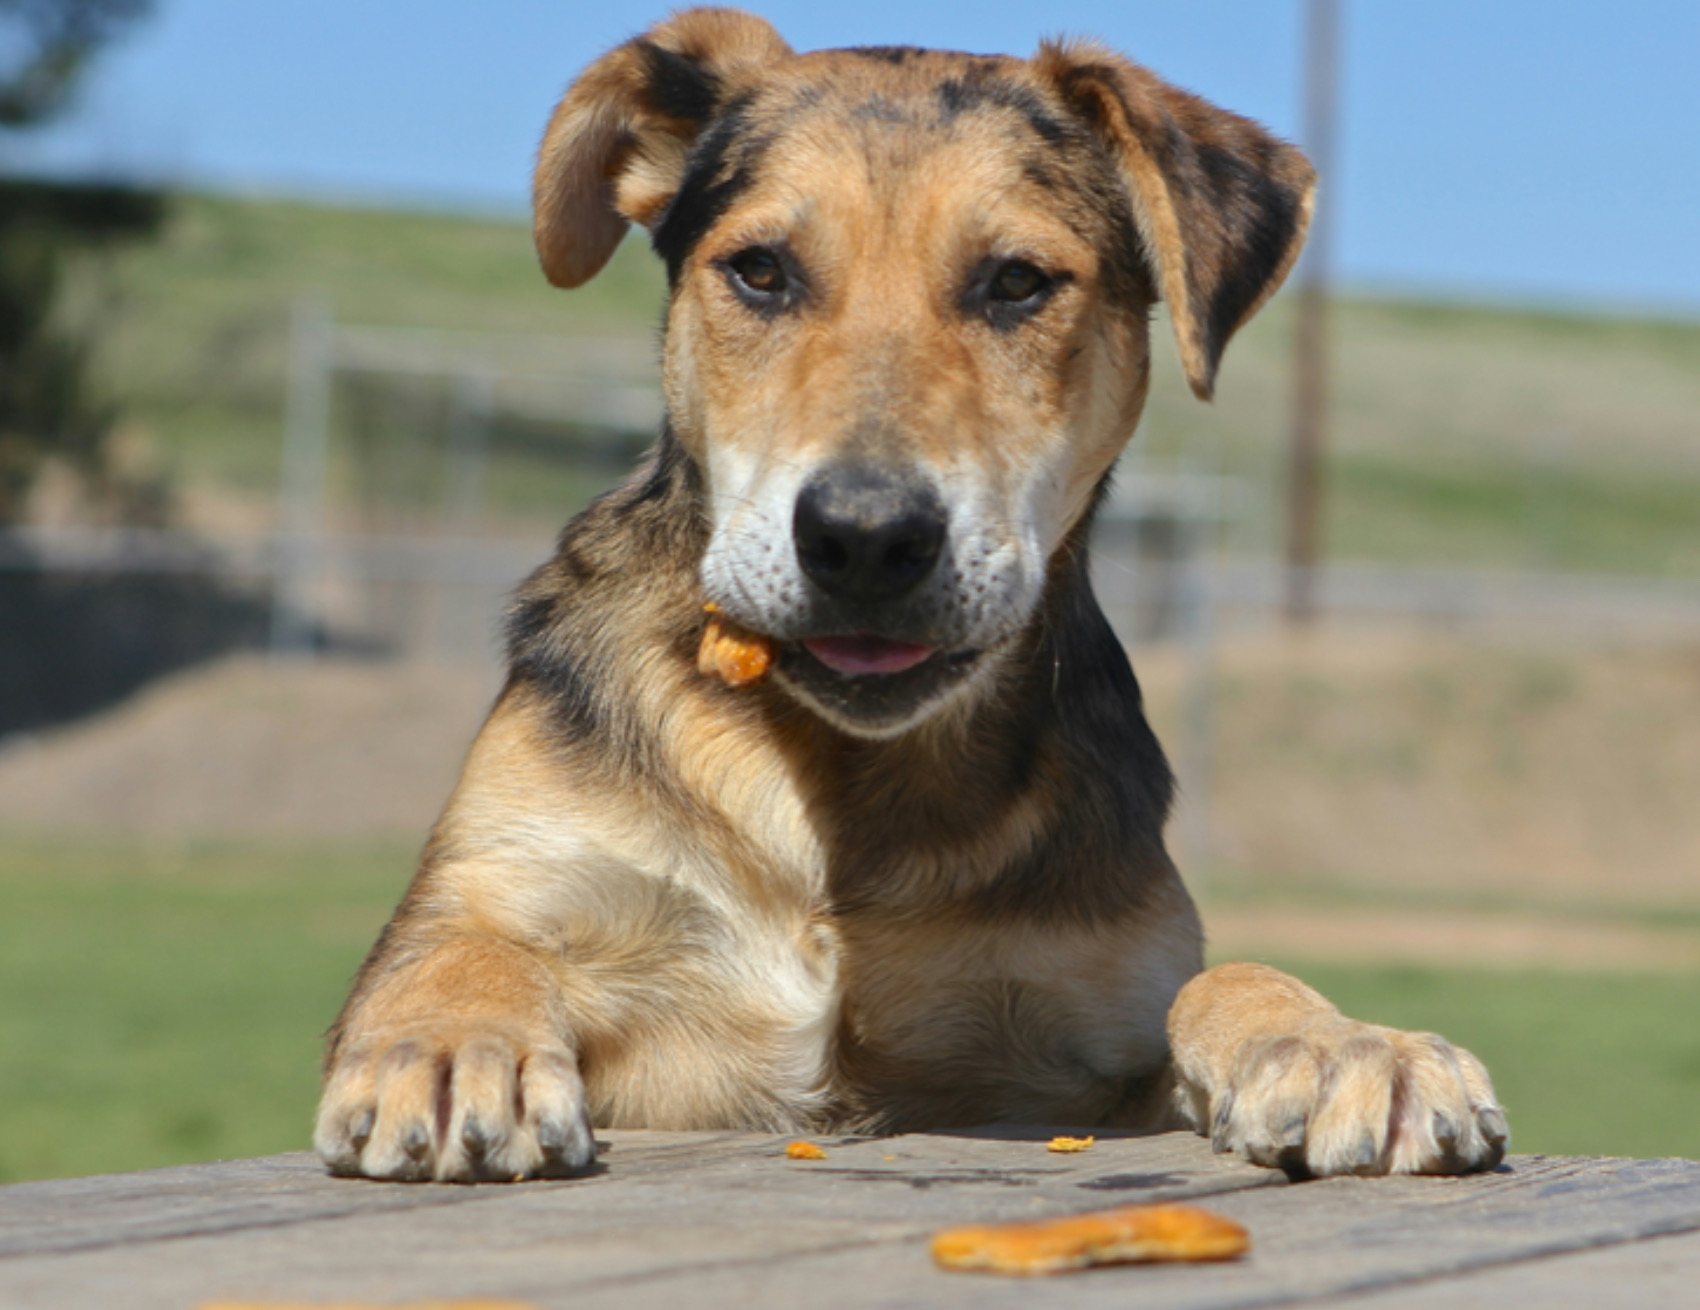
(915,877)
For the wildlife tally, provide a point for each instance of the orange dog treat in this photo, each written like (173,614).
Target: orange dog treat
(804,1151)
(1136,1233)
(735,655)
(1069,1145)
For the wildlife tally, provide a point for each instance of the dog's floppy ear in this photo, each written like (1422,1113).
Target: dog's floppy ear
(1221,206)
(615,149)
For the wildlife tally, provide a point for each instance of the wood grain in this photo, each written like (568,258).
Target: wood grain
(724,1219)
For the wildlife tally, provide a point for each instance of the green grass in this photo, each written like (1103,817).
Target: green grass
(1585,1064)
(162,1005)
(195,347)
(1482,511)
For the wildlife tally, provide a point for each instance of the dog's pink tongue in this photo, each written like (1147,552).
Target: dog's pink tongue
(853,655)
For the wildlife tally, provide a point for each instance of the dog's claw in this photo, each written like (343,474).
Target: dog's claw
(1219,1138)
(417,1143)
(1285,1147)
(360,1131)
(552,1137)
(475,1138)
(1490,1122)
(567,1148)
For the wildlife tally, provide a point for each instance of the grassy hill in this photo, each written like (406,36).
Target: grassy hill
(1460,435)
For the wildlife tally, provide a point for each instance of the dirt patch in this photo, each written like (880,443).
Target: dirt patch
(1462,769)
(1445,939)
(333,748)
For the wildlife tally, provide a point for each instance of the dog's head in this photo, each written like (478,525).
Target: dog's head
(907,331)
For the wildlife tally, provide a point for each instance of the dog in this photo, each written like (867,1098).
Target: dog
(915,876)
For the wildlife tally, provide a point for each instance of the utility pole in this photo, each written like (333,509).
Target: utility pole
(1310,348)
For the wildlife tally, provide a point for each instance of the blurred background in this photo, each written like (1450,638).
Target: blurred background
(286,408)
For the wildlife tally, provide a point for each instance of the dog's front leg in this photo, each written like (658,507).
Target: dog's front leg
(1267,1067)
(455,1063)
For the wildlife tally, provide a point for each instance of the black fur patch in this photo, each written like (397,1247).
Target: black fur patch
(1261,217)
(886,54)
(1108,835)
(550,646)
(539,657)
(1034,170)
(976,90)
(882,109)
(1127,276)
(718,171)
(669,468)
(679,86)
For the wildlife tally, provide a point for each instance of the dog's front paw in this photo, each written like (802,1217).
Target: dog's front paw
(1342,1097)
(469,1104)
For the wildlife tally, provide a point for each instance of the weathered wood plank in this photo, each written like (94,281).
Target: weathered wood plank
(77,1213)
(279,1227)
(1657,1274)
(725,1220)
(1319,1240)
(82,1213)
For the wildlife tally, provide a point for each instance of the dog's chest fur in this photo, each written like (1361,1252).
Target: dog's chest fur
(718,982)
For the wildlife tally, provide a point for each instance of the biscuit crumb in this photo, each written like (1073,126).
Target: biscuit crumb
(804,1151)
(1069,1145)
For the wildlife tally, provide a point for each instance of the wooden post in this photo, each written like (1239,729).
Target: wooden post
(1310,353)
(301,491)
(461,619)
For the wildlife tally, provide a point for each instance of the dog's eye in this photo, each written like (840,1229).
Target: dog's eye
(759,270)
(1017,281)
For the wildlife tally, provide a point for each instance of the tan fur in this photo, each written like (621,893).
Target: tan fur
(656,899)
(602,131)
(1279,1074)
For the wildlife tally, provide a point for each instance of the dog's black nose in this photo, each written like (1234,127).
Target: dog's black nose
(866,535)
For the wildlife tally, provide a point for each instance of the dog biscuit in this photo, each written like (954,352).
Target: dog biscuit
(735,655)
(1138,1233)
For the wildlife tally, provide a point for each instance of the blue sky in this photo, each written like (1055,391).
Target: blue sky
(1509,150)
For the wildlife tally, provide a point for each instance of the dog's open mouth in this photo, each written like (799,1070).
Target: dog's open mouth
(861,654)
(871,684)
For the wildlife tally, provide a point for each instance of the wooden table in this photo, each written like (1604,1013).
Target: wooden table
(686,1220)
